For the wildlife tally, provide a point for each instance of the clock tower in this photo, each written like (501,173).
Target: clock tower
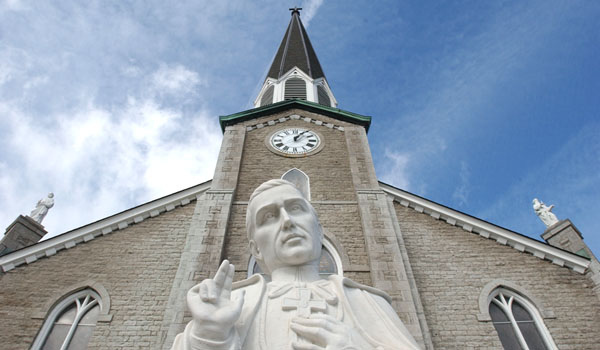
(296,132)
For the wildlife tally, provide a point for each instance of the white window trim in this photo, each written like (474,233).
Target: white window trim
(91,299)
(307,194)
(508,296)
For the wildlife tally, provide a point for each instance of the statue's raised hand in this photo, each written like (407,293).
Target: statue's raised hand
(211,306)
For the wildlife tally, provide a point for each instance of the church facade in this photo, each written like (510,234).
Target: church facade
(456,281)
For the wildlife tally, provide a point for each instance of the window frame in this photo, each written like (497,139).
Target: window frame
(511,296)
(57,310)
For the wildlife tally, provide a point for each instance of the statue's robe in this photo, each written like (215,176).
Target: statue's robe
(265,320)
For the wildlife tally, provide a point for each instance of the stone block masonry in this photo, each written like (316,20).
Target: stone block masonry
(451,267)
(135,265)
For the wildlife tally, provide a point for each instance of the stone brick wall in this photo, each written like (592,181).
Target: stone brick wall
(136,265)
(451,267)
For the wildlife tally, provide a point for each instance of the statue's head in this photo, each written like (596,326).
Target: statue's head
(536,204)
(50,195)
(283,227)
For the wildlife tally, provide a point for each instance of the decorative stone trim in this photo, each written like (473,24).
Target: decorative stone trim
(65,292)
(487,230)
(293,117)
(102,227)
(484,299)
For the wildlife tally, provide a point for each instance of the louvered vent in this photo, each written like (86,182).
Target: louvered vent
(295,88)
(323,96)
(267,97)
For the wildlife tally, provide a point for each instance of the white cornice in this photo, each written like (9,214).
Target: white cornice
(487,230)
(102,227)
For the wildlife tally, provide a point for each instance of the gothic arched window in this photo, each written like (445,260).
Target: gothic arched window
(70,323)
(295,88)
(300,179)
(518,322)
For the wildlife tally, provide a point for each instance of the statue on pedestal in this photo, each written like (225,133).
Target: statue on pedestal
(41,209)
(292,306)
(544,212)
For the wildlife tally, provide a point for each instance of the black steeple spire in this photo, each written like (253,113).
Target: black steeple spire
(295,50)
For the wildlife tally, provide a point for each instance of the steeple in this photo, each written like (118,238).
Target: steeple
(295,72)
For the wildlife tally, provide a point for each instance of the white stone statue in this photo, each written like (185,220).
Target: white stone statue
(544,212)
(292,306)
(41,208)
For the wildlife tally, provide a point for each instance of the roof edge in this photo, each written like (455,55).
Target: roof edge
(336,113)
(488,230)
(102,227)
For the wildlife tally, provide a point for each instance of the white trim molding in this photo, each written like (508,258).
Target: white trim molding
(102,227)
(487,230)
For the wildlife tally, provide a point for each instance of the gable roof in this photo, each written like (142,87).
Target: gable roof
(159,206)
(102,227)
(488,230)
(332,112)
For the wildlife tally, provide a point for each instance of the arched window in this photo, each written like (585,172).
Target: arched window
(70,323)
(518,322)
(267,97)
(323,96)
(330,263)
(300,179)
(295,88)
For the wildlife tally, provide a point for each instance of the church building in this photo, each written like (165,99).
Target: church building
(455,281)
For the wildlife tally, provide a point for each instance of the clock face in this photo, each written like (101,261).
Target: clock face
(295,141)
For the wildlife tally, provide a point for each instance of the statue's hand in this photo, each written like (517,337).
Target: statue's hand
(326,332)
(211,306)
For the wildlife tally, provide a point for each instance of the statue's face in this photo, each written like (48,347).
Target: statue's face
(286,231)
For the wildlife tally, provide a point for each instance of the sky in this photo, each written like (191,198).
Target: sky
(477,105)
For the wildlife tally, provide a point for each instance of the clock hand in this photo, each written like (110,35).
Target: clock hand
(300,134)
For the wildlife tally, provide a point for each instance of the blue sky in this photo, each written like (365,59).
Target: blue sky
(480,106)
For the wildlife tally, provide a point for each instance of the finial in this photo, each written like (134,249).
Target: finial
(296,10)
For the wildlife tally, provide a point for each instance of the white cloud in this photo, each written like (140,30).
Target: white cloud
(461,192)
(395,169)
(309,10)
(101,160)
(175,79)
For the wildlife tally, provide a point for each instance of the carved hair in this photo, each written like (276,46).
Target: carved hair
(270,184)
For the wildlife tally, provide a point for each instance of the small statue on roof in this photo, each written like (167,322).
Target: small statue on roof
(42,207)
(544,212)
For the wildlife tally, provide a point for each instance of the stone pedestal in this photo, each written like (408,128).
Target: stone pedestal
(23,232)
(566,236)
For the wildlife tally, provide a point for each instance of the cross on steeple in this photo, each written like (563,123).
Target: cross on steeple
(304,304)
(296,10)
